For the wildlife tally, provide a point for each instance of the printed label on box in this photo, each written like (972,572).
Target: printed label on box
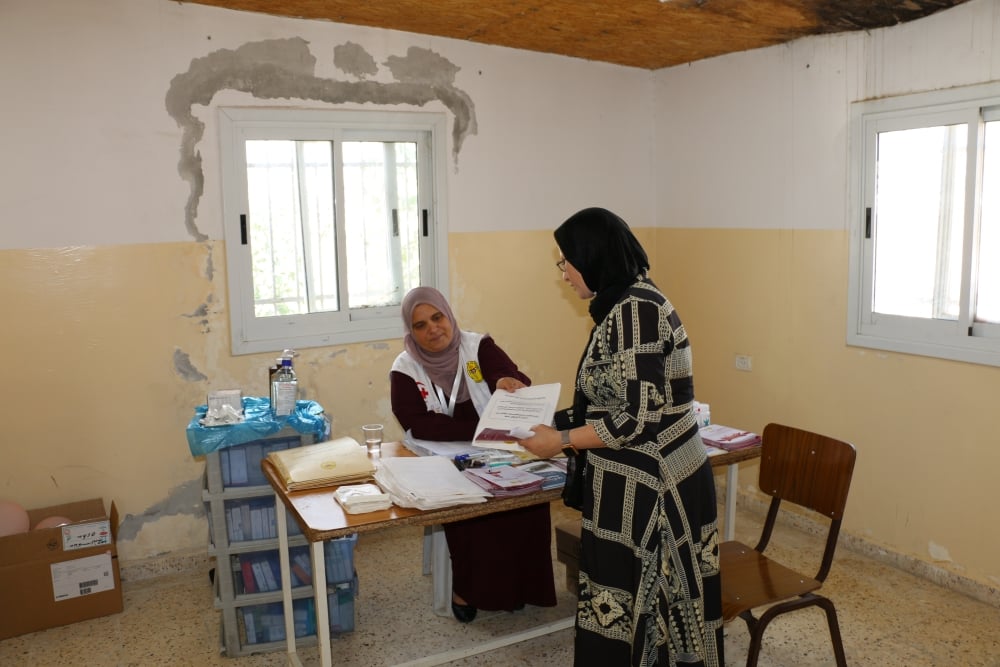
(83,576)
(84,535)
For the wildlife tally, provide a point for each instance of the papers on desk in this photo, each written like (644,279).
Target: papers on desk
(455,449)
(727,438)
(552,471)
(435,448)
(426,482)
(504,481)
(510,415)
(340,461)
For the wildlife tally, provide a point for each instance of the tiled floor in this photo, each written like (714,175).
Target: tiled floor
(889,619)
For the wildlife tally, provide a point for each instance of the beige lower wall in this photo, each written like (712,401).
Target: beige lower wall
(115,345)
(924,483)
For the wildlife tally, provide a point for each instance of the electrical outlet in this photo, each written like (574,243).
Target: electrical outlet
(744,362)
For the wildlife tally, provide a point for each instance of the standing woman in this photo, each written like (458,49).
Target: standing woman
(649,548)
(440,384)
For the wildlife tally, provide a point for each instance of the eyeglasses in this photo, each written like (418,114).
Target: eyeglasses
(561,265)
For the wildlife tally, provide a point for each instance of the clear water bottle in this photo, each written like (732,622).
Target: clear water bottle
(271,373)
(285,389)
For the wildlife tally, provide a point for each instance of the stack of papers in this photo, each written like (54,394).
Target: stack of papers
(340,461)
(503,481)
(727,438)
(361,498)
(426,482)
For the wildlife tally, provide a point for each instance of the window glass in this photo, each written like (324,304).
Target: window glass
(988,286)
(291,227)
(380,201)
(919,210)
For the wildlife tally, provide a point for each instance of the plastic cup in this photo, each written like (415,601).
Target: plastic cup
(373,438)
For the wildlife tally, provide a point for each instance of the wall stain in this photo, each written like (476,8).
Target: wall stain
(184,499)
(352,58)
(184,367)
(285,69)
(210,263)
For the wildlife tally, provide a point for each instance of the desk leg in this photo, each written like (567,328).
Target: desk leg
(732,487)
(440,559)
(322,610)
(281,521)
(428,549)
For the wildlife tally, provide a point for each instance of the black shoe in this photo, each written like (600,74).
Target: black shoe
(463,612)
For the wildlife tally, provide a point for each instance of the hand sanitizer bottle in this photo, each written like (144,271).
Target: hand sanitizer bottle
(285,389)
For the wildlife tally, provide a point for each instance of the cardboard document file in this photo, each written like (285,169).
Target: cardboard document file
(340,461)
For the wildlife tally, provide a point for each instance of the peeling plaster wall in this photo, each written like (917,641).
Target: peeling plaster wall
(112,254)
(285,69)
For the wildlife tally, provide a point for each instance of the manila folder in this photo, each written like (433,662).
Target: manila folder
(339,461)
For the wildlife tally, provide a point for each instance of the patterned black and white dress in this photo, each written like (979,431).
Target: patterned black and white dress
(649,564)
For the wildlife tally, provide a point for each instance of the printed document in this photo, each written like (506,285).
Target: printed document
(510,415)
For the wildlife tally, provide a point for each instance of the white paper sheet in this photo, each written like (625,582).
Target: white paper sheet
(510,415)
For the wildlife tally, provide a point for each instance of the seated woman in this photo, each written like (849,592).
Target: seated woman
(439,384)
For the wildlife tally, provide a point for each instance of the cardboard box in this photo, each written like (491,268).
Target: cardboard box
(57,576)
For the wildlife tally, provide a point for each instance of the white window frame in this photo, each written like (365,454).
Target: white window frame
(960,340)
(251,334)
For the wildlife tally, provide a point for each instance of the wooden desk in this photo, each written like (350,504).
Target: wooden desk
(322,518)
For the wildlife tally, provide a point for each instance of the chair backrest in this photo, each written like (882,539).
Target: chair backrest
(806,468)
(810,470)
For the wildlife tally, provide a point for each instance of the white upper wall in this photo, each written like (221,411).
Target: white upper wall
(759,139)
(85,84)
(749,140)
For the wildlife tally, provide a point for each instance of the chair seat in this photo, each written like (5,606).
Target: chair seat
(751,579)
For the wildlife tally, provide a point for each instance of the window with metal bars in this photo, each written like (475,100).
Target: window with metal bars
(330,220)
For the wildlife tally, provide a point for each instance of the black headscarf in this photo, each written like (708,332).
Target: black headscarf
(607,254)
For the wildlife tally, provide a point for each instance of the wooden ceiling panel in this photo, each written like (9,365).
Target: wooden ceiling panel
(638,33)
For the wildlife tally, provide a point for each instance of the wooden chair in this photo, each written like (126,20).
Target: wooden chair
(813,472)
